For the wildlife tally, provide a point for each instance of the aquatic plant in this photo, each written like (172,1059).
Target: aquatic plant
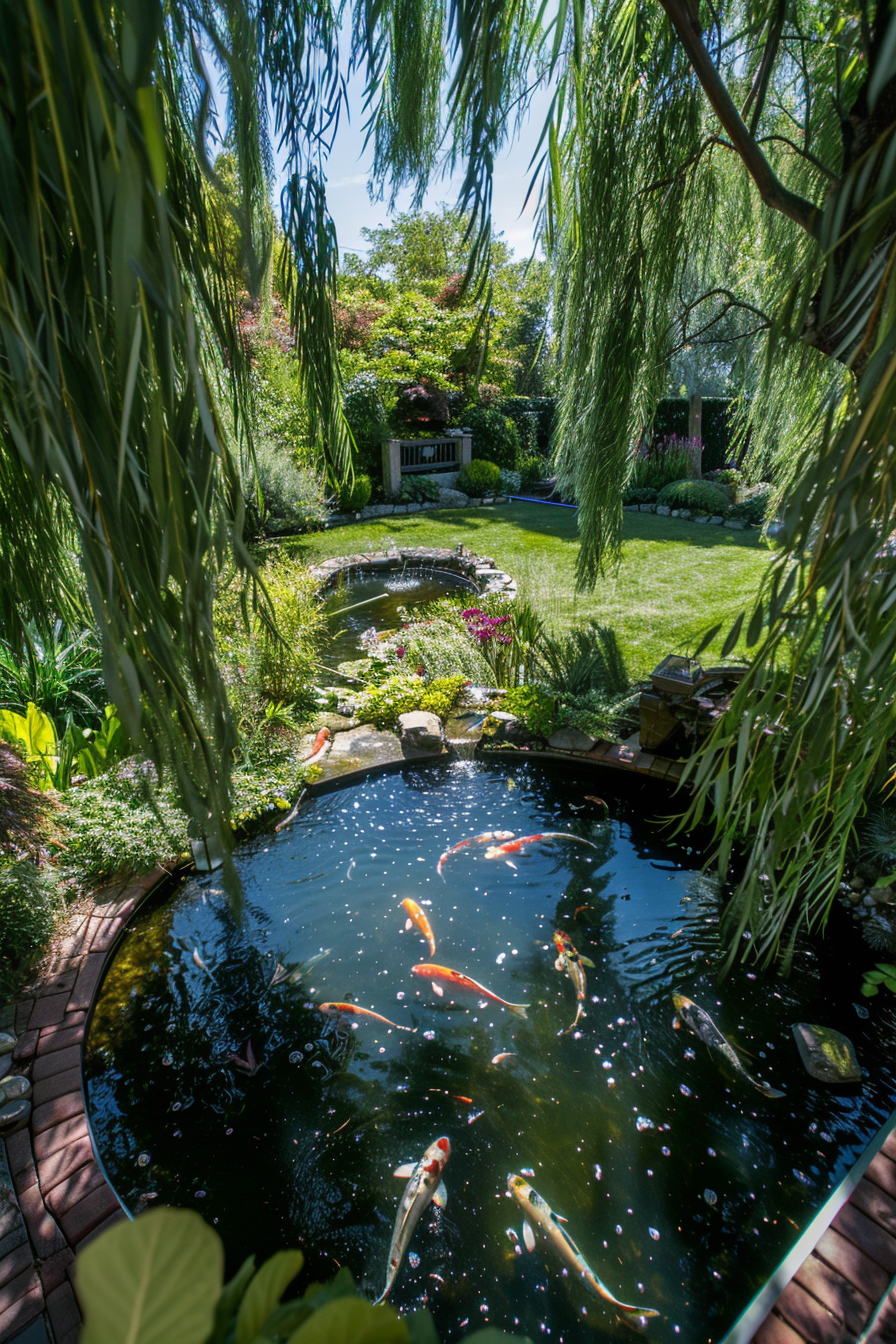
(883,976)
(879,933)
(162,1275)
(878,839)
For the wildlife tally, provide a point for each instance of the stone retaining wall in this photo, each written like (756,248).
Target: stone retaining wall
(451,499)
(736,524)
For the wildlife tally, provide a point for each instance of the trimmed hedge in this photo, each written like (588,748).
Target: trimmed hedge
(639,494)
(495,437)
(355,496)
(479,478)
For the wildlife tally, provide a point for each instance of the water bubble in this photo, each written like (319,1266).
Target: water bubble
(512,1237)
(484,1308)
(400,995)
(690,1054)
(176,1106)
(619,1229)
(666,1152)
(607,1064)
(710,1196)
(176,1134)
(597,1172)
(825,1137)
(167,1060)
(228,1131)
(611,1082)
(429,1035)
(143,1160)
(526,1171)
(309,1046)
(685,1091)
(200,1194)
(643,1123)
(620,1022)
(655,1236)
(413,1260)
(861,1011)
(801,1176)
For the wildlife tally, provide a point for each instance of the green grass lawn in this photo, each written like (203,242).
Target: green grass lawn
(675,578)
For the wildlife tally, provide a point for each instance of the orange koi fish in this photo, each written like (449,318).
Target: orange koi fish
(571,961)
(429,971)
(485,839)
(319,742)
(514,846)
(416,916)
(340,1009)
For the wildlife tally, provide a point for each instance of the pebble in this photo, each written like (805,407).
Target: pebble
(14,1088)
(7,1042)
(858,884)
(5,1065)
(14,1116)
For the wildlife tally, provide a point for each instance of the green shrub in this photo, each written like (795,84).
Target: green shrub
(58,671)
(639,494)
(479,478)
(495,437)
(753,506)
(367,419)
(724,476)
(355,496)
(280,494)
(510,482)
(533,469)
(109,825)
(534,707)
(698,496)
(586,658)
(381,705)
(30,904)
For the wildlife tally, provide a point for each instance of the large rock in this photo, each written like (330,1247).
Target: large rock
(827,1055)
(571,739)
(452,499)
(663,510)
(421,733)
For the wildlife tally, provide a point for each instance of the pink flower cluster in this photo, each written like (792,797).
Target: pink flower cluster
(484,628)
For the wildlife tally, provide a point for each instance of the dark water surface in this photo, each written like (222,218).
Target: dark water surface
(681,1183)
(384,600)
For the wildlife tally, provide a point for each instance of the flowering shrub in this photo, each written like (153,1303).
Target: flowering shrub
(484,628)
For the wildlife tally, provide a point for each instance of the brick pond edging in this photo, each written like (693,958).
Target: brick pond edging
(55,1198)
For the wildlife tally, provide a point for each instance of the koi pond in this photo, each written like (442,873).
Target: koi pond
(215,1081)
(359,603)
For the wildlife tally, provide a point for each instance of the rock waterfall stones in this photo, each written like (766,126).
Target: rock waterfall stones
(827,1055)
(421,733)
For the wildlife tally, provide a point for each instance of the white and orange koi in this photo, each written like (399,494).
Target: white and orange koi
(485,839)
(514,846)
(355,1010)
(541,1219)
(425,1185)
(429,971)
(571,961)
(416,916)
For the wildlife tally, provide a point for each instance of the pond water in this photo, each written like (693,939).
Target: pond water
(383,600)
(682,1184)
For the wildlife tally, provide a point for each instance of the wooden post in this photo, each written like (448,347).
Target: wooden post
(695,423)
(465,453)
(392,466)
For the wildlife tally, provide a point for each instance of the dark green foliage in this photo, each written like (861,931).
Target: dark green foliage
(59,672)
(356,496)
(30,904)
(495,437)
(754,506)
(698,496)
(521,409)
(418,489)
(534,707)
(479,478)
(588,658)
(639,494)
(533,469)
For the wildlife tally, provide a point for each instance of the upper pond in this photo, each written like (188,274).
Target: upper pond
(682,1184)
(356,604)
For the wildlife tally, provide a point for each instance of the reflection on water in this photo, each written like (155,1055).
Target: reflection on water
(379,602)
(682,1185)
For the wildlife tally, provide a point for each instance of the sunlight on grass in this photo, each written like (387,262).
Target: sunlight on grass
(675,579)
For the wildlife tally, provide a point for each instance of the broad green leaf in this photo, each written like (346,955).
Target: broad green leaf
(875,977)
(151,1281)
(13,727)
(265,1291)
(869,991)
(231,1296)
(41,732)
(887,967)
(421,1327)
(885,881)
(890,984)
(351,1320)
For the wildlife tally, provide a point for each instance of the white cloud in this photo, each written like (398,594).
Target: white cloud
(356,180)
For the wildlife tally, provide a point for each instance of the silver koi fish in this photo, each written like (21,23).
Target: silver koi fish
(425,1185)
(540,1218)
(571,961)
(702,1025)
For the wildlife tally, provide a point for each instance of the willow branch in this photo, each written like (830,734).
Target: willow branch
(771,189)
(804,153)
(759,87)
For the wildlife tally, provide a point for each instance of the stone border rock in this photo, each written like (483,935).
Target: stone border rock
(461,501)
(480,571)
(54,1196)
(688,515)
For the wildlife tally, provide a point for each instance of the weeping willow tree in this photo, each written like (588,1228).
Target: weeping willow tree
(118,338)
(680,127)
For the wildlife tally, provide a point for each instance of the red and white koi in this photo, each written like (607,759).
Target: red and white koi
(320,742)
(355,1010)
(571,961)
(425,1185)
(429,971)
(486,838)
(540,1219)
(514,846)
(416,916)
